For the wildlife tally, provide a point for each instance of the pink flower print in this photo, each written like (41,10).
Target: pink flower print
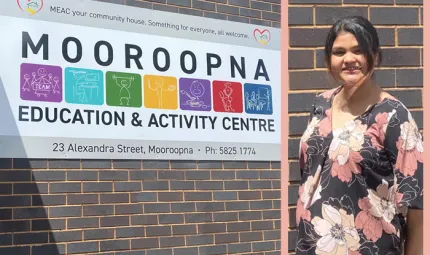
(353,252)
(324,127)
(329,93)
(301,212)
(303,147)
(378,210)
(377,131)
(309,130)
(306,197)
(303,156)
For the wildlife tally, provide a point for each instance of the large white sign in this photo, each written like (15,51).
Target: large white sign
(85,79)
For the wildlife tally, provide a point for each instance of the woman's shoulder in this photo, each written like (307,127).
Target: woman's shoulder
(323,99)
(328,94)
(395,118)
(391,104)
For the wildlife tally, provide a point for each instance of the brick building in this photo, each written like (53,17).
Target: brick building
(205,207)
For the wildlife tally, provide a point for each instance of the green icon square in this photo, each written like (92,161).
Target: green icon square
(123,89)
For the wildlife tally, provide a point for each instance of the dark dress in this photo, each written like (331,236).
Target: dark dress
(358,182)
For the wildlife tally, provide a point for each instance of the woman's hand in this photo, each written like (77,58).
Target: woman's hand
(414,235)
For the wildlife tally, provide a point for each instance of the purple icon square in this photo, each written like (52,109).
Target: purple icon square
(41,83)
(195,94)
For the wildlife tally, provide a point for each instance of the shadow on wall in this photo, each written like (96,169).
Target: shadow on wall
(24,224)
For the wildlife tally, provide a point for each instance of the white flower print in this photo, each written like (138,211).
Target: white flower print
(345,148)
(312,190)
(309,192)
(310,129)
(345,139)
(411,136)
(383,201)
(337,230)
(390,115)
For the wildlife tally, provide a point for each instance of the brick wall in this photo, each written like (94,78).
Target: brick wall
(399,24)
(107,207)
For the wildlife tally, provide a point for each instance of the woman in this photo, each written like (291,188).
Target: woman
(361,158)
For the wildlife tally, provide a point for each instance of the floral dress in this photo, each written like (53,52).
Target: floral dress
(358,181)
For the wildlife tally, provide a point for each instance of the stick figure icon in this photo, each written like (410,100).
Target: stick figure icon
(226,97)
(197,91)
(124,93)
(159,89)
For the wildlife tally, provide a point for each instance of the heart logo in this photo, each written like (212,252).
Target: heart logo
(263,37)
(30,6)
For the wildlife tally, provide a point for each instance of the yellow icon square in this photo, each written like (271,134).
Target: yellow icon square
(160,92)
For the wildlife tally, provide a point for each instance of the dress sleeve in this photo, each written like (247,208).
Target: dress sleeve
(404,146)
(302,145)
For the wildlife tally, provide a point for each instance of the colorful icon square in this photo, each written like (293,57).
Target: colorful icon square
(160,92)
(123,89)
(84,86)
(258,99)
(227,96)
(41,83)
(195,94)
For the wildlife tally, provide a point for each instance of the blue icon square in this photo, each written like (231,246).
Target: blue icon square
(258,99)
(84,86)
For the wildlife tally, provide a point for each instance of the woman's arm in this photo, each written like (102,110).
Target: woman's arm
(404,147)
(414,233)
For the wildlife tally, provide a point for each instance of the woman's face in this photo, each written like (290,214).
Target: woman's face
(348,63)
